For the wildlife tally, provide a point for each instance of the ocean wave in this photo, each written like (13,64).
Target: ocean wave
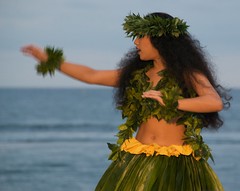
(83,126)
(58,139)
(222,138)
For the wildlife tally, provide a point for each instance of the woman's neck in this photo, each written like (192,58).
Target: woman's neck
(158,64)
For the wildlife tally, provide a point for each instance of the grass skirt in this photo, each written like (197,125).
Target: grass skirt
(139,172)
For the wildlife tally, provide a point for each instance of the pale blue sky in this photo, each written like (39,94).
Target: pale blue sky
(90,32)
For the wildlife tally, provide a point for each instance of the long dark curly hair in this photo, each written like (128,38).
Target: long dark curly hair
(183,57)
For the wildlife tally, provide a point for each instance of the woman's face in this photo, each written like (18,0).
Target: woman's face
(145,48)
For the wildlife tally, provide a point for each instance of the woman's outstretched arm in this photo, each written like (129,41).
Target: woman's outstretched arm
(78,71)
(90,75)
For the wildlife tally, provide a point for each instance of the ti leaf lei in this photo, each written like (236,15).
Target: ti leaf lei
(137,110)
(54,61)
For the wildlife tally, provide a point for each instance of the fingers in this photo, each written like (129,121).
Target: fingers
(151,93)
(156,95)
(29,49)
(35,52)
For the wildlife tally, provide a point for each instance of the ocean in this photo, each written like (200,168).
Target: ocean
(56,139)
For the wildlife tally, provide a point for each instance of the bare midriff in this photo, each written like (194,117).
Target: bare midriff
(160,132)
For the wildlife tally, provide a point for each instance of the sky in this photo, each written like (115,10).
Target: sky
(90,32)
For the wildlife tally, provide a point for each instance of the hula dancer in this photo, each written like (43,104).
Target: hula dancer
(167,93)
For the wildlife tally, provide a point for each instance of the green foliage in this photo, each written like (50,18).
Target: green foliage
(55,58)
(116,153)
(150,25)
(137,110)
(193,124)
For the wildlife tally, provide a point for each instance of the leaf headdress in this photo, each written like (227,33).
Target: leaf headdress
(154,26)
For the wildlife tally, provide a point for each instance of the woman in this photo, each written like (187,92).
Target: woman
(167,93)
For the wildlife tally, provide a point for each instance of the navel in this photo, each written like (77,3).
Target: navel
(153,137)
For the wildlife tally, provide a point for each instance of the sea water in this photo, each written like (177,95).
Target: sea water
(55,139)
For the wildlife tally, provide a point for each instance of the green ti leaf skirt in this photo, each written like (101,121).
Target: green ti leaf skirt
(138,172)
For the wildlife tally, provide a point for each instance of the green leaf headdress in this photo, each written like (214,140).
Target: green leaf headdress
(154,26)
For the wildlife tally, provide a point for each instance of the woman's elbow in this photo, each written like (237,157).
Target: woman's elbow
(219,105)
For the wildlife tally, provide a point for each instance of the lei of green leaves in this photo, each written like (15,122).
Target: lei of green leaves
(55,58)
(137,110)
(155,26)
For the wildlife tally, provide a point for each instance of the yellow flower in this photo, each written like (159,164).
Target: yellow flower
(133,146)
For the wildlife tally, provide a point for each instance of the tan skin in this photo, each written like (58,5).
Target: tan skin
(152,131)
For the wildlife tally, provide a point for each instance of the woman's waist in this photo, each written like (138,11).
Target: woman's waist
(161,133)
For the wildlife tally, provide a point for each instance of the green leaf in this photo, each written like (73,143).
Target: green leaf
(115,151)
(122,127)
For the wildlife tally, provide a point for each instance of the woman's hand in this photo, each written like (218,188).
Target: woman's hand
(153,94)
(38,53)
